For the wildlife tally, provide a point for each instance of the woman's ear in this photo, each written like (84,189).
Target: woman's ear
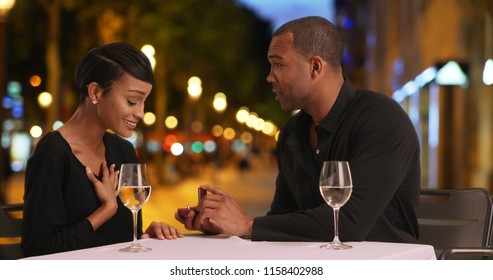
(93,90)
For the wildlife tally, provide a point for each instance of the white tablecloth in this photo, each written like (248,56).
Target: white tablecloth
(222,247)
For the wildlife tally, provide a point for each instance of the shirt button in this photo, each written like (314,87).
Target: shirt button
(317,151)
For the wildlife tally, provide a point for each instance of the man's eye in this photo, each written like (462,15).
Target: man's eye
(277,65)
(131,102)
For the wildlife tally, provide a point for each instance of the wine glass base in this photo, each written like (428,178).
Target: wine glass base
(135,248)
(336,246)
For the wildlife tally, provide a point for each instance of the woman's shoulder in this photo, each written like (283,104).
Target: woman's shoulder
(51,142)
(51,147)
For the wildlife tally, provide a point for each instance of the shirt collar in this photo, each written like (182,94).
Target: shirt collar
(331,121)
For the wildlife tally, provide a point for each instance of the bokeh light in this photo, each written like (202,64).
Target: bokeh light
(197,147)
(35,81)
(229,133)
(194,87)
(246,137)
(149,118)
(171,122)
(197,126)
(177,149)
(210,146)
(14,89)
(149,51)
(220,102)
(252,119)
(238,146)
(242,114)
(45,99)
(153,146)
(269,128)
(57,125)
(36,131)
(217,130)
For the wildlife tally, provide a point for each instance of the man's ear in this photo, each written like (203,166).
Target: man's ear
(316,66)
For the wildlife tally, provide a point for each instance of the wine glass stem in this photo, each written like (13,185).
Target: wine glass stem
(336,226)
(134,214)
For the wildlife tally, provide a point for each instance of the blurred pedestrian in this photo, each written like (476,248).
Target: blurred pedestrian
(70,199)
(335,122)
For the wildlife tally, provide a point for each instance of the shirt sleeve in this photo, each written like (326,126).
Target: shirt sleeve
(386,171)
(283,201)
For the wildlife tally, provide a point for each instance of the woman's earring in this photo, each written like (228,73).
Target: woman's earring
(94,102)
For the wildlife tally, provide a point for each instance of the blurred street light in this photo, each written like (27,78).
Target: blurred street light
(252,119)
(269,128)
(149,51)
(35,81)
(242,114)
(177,149)
(171,122)
(194,87)
(217,130)
(259,124)
(36,131)
(149,118)
(220,102)
(5,6)
(45,99)
(194,90)
(229,133)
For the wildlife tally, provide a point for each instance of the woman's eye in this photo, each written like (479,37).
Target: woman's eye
(131,102)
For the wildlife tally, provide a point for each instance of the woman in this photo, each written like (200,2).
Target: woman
(70,199)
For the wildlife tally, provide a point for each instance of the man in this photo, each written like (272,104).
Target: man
(335,122)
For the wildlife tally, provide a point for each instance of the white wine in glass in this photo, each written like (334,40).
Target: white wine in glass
(336,187)
(134,191)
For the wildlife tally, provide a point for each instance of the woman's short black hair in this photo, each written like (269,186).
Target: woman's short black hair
(107,63)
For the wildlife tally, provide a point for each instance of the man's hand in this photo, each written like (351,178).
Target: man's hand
(219,212)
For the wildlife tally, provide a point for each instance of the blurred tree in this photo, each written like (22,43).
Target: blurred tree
(223,43)
(52,58)
(219,41)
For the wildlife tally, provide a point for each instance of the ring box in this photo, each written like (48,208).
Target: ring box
(183,212)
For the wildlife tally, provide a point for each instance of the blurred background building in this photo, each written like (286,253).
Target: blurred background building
(211,105)
(434,57)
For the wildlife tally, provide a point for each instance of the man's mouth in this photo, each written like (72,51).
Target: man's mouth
(278,94)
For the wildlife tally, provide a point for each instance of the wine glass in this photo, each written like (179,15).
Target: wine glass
(134,191)
(336,187)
